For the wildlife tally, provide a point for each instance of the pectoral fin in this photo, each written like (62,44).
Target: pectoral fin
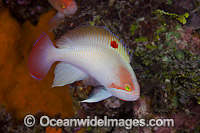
(98,94)
(67,74)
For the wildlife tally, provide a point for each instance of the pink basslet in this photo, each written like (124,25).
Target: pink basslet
(89,53)
(64,8)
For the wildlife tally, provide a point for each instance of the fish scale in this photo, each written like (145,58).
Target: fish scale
(86,35)
(85,58)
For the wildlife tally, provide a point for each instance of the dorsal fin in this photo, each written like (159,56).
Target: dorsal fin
(93,35)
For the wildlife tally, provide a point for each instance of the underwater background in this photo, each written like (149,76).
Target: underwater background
(164,36)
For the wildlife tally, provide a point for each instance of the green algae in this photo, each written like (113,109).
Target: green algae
(133,28)
(141,39)
(177,71)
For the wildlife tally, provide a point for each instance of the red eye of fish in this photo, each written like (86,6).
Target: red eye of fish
(114,44)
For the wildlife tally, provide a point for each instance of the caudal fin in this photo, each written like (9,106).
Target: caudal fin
(41,57)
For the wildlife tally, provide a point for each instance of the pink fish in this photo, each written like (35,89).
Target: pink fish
(89,53)
(64,7)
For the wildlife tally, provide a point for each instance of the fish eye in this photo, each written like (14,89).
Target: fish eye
(62,6)
(127,87)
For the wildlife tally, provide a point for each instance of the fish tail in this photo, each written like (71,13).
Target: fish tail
(41,57)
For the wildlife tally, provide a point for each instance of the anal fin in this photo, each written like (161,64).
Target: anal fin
(98,94)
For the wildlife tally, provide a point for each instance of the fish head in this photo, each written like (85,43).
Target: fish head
(68,7)
(126,87)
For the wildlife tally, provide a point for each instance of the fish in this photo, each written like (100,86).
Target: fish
(92,54)
(64,8)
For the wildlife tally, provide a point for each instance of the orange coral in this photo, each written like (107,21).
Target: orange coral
(53,130)
(21,93)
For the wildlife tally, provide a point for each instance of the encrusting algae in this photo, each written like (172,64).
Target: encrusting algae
(19,92)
